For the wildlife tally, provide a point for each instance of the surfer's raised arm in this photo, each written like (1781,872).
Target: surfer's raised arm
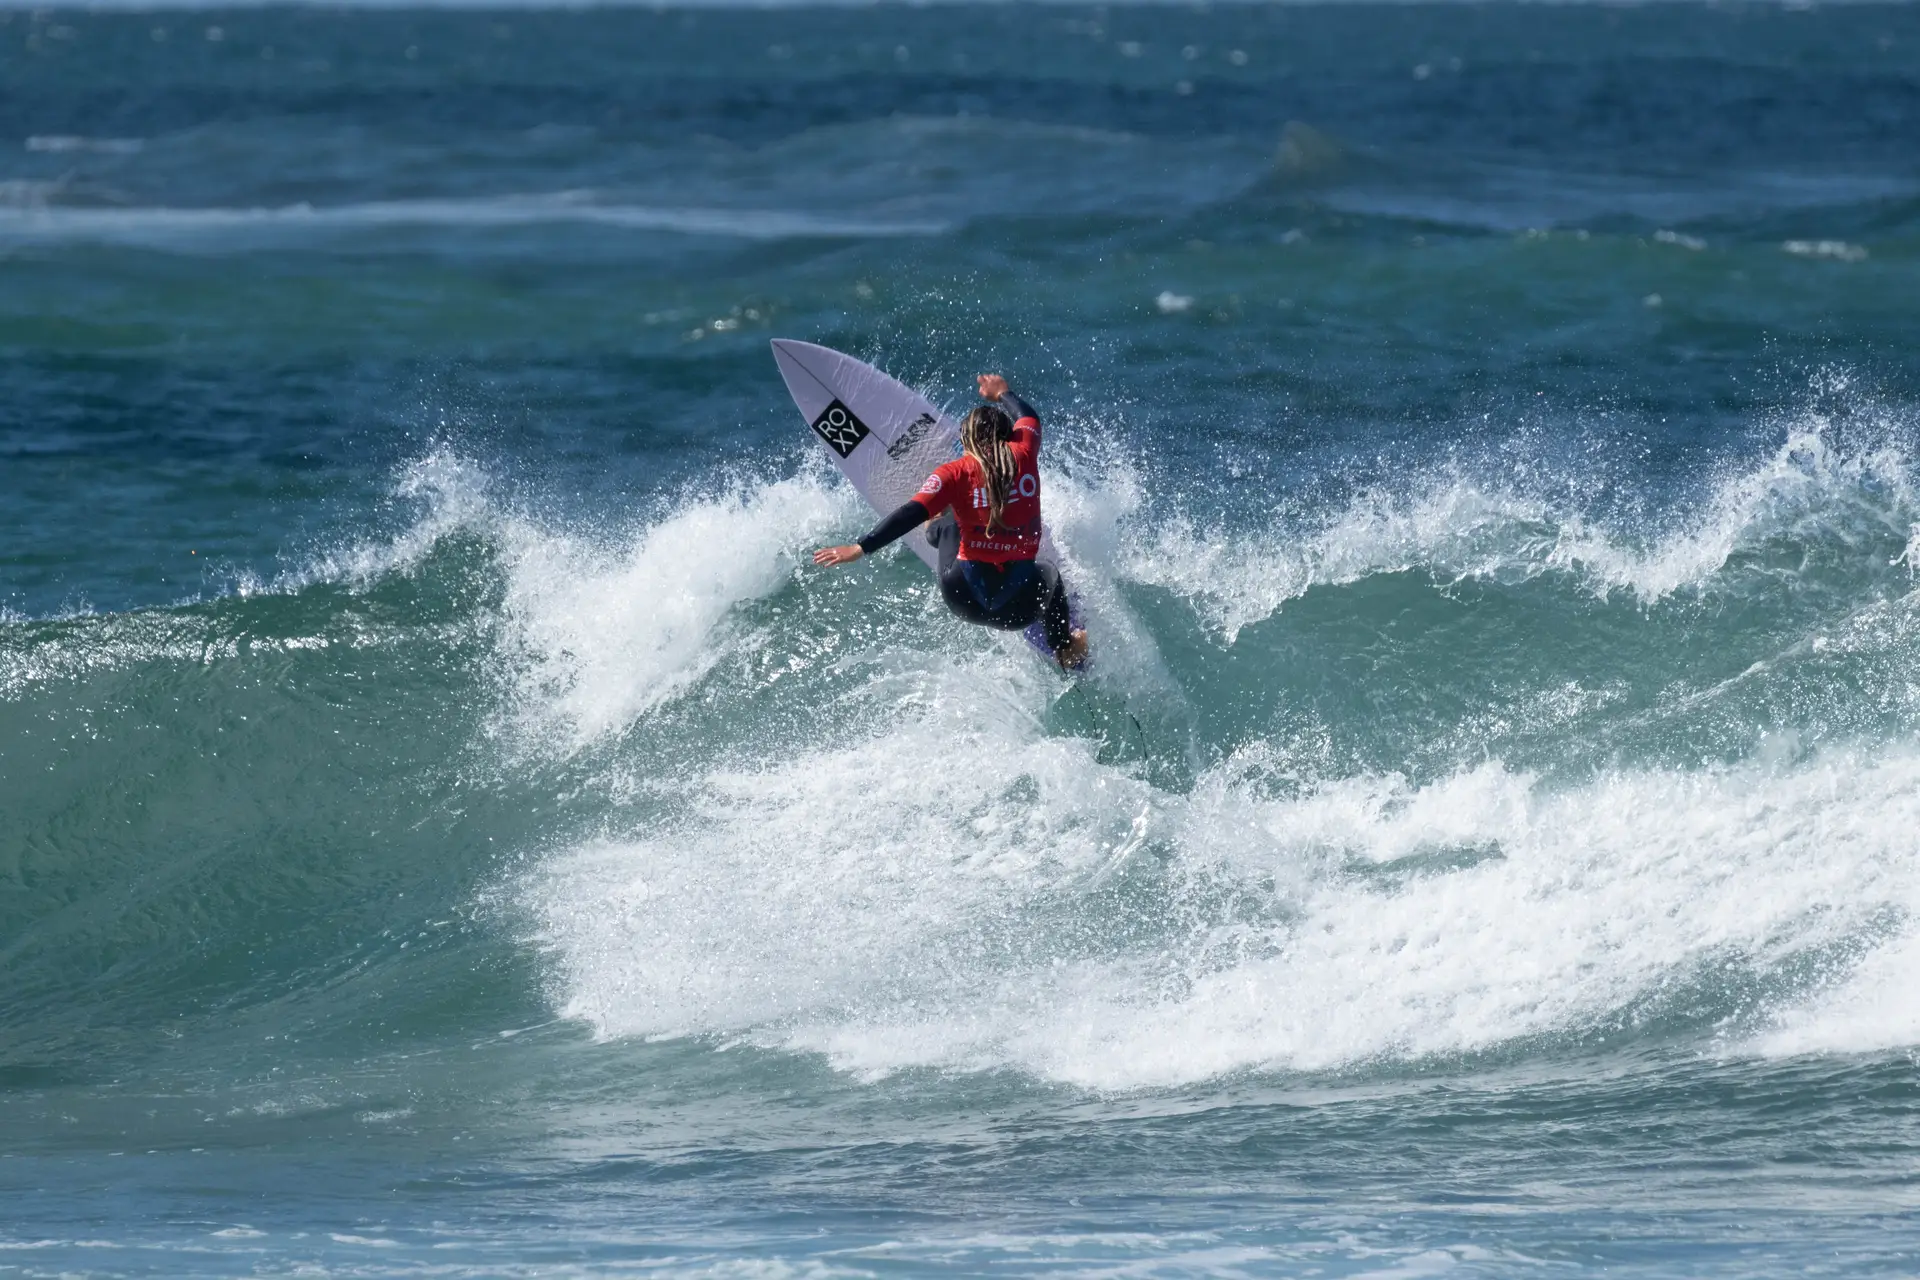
(994,387)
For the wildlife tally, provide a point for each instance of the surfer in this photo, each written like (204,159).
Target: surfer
(988,574)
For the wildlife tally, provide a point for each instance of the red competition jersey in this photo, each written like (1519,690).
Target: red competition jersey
(962,485)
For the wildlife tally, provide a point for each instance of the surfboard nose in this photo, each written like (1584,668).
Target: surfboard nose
(805,368)
(787,358)
(796,350)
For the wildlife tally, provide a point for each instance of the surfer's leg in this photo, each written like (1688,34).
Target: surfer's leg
(1007,597)
(1054,614)
(964,598)
(1056,619)
(962,601)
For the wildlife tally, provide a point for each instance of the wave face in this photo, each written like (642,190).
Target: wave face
(447,823)
(1599,784)
(803,810)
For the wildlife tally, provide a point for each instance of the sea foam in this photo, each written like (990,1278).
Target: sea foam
(892,917)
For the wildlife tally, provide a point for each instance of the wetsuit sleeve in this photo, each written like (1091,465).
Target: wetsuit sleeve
(1024,418)
(905,518)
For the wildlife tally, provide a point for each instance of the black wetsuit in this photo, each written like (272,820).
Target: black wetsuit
(1010,596)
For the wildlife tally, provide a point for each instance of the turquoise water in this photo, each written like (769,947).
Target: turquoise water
(447,827)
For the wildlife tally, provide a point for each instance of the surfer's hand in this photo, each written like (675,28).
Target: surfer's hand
(992,386)
(838,555)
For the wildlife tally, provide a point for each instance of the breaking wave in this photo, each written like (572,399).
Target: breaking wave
(723,795)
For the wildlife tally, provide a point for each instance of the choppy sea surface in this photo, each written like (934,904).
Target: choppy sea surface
(448,828)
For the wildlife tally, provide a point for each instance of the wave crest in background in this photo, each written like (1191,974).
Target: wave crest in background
(1812,491)
(31,215)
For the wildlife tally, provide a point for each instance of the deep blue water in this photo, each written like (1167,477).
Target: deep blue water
(447,827)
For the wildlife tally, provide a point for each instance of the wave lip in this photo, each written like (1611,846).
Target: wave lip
(42,220)
(1457,526)
(604,632)
(599,628)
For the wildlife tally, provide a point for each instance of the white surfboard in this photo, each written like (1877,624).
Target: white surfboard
(882,434)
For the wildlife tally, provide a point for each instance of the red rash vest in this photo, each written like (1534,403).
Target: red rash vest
(962,485)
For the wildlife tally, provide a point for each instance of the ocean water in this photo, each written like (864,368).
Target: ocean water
(448,828)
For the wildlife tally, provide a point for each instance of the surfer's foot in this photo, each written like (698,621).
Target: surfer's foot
(1073,654)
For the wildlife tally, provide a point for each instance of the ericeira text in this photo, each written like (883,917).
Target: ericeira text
(448,822)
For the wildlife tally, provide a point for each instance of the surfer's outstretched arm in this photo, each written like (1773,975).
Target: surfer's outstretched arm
(900,522)
(903,520)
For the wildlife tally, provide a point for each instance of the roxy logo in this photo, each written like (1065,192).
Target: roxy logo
(916,432)
(840,429)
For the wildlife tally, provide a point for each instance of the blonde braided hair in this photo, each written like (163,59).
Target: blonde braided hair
(984,435)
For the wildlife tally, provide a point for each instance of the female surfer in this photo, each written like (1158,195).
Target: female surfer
(988,574)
